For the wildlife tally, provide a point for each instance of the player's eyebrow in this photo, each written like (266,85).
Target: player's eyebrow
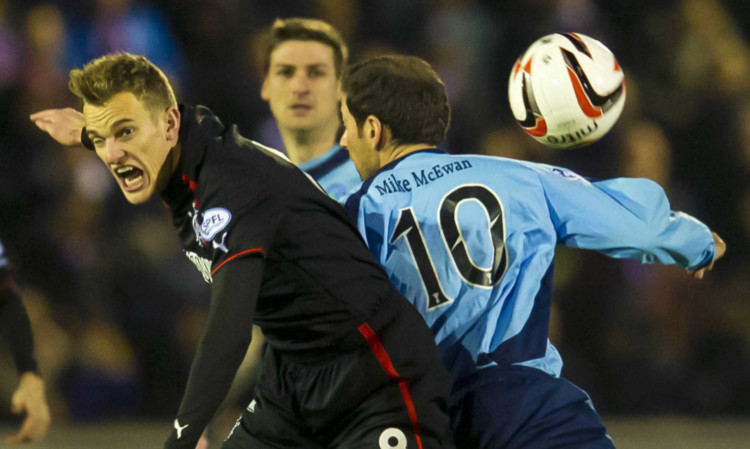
(320,65)
(91,133)
(308,66)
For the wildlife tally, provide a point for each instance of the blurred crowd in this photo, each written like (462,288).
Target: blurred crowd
(117,309)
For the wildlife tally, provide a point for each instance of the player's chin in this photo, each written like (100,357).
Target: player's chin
(303,123)
(139,196)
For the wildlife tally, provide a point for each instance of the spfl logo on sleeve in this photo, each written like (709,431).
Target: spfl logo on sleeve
(209,223)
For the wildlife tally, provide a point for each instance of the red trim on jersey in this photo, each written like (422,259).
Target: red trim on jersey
(385,361)
(243,253)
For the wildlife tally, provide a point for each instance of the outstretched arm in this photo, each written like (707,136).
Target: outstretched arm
(63,125)
(222,347)
(626,218)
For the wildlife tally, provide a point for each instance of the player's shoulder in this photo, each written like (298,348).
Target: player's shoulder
(477,167)
(220,142)
(469,160)
(234,175)
(521,168)
(233,153)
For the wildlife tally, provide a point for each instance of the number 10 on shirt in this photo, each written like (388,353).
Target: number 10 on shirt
(458,249)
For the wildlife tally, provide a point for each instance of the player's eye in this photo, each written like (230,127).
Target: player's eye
(316,73)
(97,141)
(125,132)
(286,72)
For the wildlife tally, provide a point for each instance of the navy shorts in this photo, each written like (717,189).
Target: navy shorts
(521,407)
(388,392)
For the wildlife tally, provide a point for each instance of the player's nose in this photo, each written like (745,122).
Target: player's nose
(301,83)
(112,152)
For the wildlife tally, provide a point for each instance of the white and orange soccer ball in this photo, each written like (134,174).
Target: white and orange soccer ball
(567,90)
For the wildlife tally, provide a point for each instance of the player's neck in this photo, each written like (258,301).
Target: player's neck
(393,153)
(304,145)
(170,166)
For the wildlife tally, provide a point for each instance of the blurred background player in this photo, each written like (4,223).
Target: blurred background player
(29,398)
(470,240)
(303,64)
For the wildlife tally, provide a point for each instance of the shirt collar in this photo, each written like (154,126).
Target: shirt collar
(197,125)
(325,163)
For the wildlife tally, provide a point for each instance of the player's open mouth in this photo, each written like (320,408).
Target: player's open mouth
(130,177)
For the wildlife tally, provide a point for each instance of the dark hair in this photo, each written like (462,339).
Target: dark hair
(404,93)
(304,29)
(104,77)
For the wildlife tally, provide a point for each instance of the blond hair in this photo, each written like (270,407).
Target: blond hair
(103,78)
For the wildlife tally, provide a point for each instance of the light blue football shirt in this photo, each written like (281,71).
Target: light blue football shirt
(335,173)
(470,241)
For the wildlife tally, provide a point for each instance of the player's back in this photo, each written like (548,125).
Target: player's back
(469,240)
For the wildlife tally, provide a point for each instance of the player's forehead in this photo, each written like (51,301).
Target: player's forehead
(298,53)
(122,107)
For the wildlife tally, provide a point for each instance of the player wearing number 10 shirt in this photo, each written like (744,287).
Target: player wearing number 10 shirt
(470,241)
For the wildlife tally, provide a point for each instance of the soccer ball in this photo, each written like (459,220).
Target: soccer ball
(567,90)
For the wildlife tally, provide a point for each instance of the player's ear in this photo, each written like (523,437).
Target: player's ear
(374,132)
(173,124)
